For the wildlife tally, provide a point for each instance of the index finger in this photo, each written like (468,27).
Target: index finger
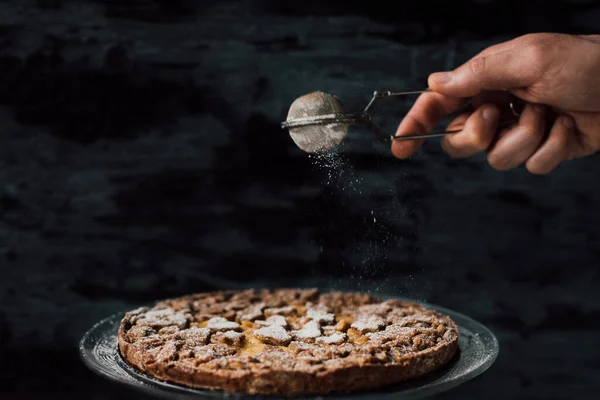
(428,111)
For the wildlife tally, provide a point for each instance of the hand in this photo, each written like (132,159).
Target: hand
(558,75)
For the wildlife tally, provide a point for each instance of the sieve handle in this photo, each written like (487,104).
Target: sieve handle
(444,133)
(513,108)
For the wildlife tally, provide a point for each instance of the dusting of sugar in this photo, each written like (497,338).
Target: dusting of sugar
(377,308)
(273,334)
(168,330)
(167,352)
(414,318)
(368,323)
(392,332)
(138,311)
(163,318)
(273,320)
(221,324)
(252,313)
(288,310)
(195,335)
(141,331)
(329,330)
(336,338)
(320,316)
(310,330)
(233,335)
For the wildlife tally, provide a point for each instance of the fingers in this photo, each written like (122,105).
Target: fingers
(426,113)
(556,148)
(405,148)
(478,131)
(508,66)
(515,146)
(521,142)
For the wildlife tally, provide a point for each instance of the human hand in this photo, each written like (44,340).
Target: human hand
(558,75)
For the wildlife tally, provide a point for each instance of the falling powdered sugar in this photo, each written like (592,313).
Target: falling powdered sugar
(358,192)
(346,185)
(333,164)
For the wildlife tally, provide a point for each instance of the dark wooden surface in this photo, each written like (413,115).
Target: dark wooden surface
(141,158)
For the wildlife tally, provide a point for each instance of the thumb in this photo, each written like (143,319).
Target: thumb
(504,70)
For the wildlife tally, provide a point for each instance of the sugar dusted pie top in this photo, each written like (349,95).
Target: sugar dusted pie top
(286,341)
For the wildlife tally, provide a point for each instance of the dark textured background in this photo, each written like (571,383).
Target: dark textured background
(141,158)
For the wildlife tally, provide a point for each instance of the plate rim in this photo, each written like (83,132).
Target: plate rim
(484,333)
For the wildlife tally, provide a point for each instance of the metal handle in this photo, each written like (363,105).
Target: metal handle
(379,94)
(437,134)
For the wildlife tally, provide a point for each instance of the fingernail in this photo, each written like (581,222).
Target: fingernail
(489,113)
(442,77)
(567,121)
(538,108)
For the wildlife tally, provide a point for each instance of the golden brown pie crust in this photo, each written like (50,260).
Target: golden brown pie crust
(286,341)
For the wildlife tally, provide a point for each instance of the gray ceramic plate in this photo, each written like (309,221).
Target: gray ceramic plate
(478,351)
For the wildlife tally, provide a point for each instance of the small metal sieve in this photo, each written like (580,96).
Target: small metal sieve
(318,122)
